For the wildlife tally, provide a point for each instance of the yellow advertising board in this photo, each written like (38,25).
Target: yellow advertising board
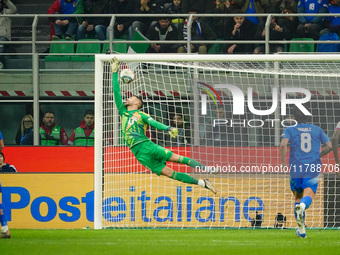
(147,200)
(66,201)
(62,201)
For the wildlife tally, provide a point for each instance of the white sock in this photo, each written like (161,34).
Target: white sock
(4,229)
(201,183)
(303,206)
(302,229)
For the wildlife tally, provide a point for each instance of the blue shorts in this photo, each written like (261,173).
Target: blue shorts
(299,184)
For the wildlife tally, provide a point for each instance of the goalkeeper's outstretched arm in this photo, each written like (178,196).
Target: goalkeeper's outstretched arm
(172,131)
(116,89)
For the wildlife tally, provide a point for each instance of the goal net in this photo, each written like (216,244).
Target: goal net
(230,112)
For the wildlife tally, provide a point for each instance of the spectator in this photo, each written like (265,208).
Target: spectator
(273,6)
(175,8)
(310,26)
(84,134)
(254,7)
(239,29)
(201,7)
(145,7)
(29,139)
(183,137)
(290,22)
(1,142)
(289,5)
(225,7)
(50,133)
(163,30)
(332,22)
(122,24)
(199,31)
(6,7)
(277,32)
(220,128)
(26,130)
(94,26)
(64,27)
(4,167)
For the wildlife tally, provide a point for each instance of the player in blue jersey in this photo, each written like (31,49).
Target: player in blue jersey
(304,162)
(4,227)
(4,233)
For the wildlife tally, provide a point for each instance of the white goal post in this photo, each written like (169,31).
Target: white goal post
(231,111)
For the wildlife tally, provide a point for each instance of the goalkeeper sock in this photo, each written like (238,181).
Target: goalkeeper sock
(182,177)
(306,202)
(191,162)
(3,220)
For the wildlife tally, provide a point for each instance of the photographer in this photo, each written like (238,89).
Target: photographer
(6,7)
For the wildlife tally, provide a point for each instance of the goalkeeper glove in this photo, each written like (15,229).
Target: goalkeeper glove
(114,65)
(173,132)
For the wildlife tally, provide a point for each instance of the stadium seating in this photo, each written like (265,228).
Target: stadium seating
(302,47)
(216,48)
(117,47)
(89,48)
(60,48)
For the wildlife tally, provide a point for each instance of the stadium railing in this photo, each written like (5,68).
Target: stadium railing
(32,62)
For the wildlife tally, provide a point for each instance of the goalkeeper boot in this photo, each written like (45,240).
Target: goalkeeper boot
(209,186)
(299,210)
(114,65)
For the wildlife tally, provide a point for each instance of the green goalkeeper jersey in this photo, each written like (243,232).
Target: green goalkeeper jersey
(134,123)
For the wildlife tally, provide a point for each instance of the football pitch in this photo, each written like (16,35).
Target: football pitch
(170,241)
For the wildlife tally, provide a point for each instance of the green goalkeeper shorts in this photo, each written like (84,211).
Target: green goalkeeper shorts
(152,156)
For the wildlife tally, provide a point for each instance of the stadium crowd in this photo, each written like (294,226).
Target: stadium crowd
(204,28)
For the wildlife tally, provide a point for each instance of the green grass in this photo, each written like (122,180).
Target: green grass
(170,241)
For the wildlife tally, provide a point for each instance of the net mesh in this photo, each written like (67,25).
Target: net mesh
(242,150)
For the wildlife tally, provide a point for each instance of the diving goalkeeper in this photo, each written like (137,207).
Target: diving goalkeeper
(149,154)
